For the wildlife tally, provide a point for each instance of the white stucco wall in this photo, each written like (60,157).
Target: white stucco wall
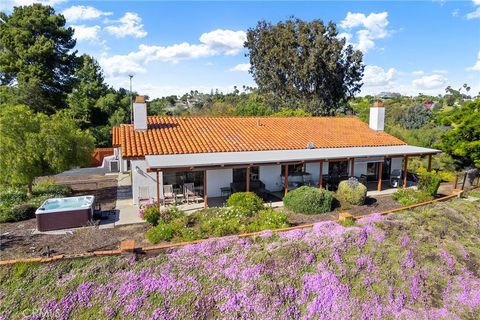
(121,162)
(217,179)
(144,178)
(270,175)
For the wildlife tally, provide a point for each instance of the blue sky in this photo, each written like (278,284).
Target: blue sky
(175,47)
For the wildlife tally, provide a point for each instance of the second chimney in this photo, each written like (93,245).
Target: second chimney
(377,116)
(140,114)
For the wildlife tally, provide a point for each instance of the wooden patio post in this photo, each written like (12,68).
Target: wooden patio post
(248,180)
(205,201)
(429,168)
(320,181)
(380,168)
(286,179)
(405,162)
(352,167)
(158,189)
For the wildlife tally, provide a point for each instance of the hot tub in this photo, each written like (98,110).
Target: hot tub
(64,213)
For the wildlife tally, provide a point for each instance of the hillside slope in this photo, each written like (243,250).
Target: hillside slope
(421,264)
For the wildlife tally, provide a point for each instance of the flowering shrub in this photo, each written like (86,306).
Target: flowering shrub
(352,192)
(308,200)
(151,213)
(422,264)
(161,232)
(268,219)
(216,222)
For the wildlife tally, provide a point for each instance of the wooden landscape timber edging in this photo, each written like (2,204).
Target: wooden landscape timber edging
(128,246)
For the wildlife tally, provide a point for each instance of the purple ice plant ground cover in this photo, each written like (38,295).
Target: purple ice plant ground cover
(422,264)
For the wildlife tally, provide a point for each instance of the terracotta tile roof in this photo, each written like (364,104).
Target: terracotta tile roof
(116,137)
(180,135)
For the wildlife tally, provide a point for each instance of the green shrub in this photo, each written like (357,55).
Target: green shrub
(268,219)
(429,183)
(50,187)
(408,197)
(248,202)
(352,192)
(17,213)
(161,232)
(151,214)
(308,200)
(12,196)
(348,222)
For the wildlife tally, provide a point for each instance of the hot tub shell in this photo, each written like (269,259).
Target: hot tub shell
(64,218)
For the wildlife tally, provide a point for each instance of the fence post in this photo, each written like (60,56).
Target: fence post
(464,180)
(456,180)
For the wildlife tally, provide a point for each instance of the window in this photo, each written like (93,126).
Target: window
(338,168)
(178,178)
(294,169)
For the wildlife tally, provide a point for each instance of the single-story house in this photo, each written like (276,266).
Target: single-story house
(267,155)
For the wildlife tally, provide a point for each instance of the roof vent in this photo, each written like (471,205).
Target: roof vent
(310,145)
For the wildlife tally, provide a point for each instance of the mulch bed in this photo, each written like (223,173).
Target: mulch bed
(372,205)
(17,240)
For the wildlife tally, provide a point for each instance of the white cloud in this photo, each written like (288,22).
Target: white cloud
(224,40)
(120,65)
(242,67)
(429,82)
(373,27)
(128,25)
(474,14)
(476,66)
(455,13)
(77,13)
(217,42)
(418,73)
(377,76)
(84,33)
(476,2)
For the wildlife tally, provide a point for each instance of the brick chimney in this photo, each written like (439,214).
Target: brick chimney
(140,113)
(377,116)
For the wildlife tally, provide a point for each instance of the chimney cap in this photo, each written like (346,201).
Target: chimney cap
(377,104)
(140,99)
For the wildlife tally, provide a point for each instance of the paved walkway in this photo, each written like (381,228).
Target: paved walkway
(127,211)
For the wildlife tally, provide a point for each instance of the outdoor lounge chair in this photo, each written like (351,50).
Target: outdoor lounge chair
(189,192)
(168,195)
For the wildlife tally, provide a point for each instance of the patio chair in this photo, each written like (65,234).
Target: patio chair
(168,195)
(143,195)
(189,192)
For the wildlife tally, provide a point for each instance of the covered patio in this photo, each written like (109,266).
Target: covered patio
(271,174)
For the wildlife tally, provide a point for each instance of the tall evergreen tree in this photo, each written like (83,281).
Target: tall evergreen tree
(304,65)
(37,57)
(89,88)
